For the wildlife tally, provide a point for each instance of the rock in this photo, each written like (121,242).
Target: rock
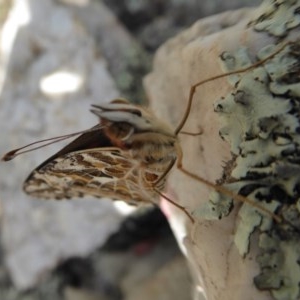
(220,260)
(40,39)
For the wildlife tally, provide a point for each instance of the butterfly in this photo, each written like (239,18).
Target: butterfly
(127,156)
(120,158)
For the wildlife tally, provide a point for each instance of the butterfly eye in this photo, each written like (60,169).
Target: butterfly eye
(121,130)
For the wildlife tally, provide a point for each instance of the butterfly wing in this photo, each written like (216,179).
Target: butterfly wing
(92,166)
(91,139)
(97,172)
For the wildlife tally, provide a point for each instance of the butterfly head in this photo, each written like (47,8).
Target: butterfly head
(121,120)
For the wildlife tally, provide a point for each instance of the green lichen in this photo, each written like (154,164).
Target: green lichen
(260,121)
(279,262)
(278,17)
(251,219)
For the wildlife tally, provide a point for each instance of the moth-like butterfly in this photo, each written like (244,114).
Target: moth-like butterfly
(127,156)
(121,158)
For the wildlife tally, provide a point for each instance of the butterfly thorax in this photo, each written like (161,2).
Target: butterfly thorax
(152,147)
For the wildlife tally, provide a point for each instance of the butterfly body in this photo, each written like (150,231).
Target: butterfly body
(122,158)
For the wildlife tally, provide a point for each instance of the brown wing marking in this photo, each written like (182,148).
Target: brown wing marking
(106,172)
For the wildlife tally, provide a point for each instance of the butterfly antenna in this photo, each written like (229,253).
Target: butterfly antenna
(14,153)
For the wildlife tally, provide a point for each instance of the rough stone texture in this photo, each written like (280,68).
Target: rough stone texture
(127,61)
(160,283)
(41,38)
(36,234)
(192,56)
(153,22)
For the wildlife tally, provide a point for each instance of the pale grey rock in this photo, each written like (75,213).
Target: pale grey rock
(41,38)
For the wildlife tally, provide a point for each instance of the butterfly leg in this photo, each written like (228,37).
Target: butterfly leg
(182,208)
(222,189)
(194,87)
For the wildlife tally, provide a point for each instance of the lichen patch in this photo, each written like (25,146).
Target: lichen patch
(278,17)
(260,121)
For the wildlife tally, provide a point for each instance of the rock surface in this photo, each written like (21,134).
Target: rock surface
(53,69)
(47,41)
(191,57)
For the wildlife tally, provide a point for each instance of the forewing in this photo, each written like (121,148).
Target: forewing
(89,140)
(105,172)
